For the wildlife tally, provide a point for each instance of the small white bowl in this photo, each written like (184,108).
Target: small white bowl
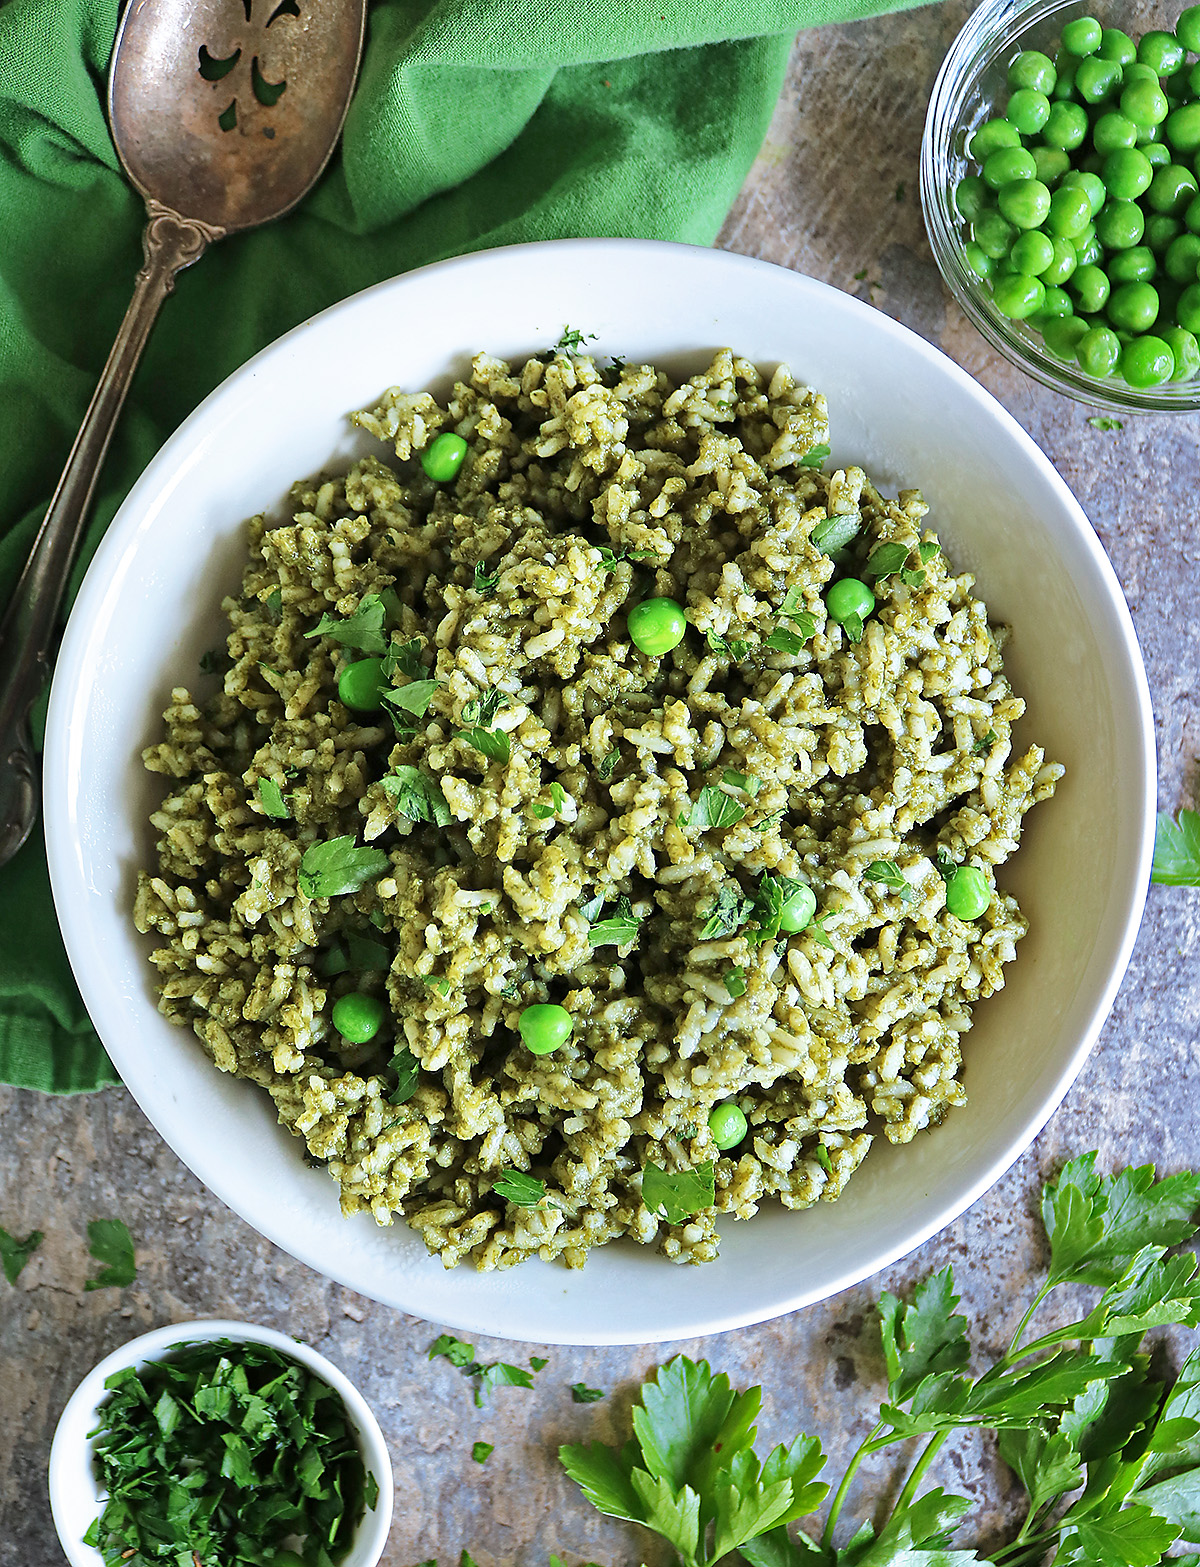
(150,605)
(76,1498)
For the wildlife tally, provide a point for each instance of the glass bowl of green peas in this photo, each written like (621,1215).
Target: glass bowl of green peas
(1060,180)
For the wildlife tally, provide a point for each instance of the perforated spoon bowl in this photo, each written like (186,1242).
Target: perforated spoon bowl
(223,113)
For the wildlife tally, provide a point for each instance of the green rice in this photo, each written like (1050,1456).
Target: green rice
(585,490)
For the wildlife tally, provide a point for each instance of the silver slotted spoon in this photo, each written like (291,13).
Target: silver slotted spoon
(224,113)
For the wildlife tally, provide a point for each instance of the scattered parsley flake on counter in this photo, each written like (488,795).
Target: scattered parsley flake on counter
(452,1349)
(482,1451)
(481,581)
(522,1189)
(498,1374)
(900,191)
(727,913)
(465,1559)
(714,808)
(492,743)
(1177,850)
(272,799)
(413,698)
(338,866)
(538,1362)
(14,1254)
(677,1196)
(408,1072)
(815,456)
(889,875)
(735,982)
(834,533)
(582,1394)
(362,630)
(418,796)
(1102,422)
(110,1242)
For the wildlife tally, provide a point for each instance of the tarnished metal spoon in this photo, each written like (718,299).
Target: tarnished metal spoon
(224,112)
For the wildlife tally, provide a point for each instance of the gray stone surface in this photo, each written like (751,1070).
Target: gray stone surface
(834,192)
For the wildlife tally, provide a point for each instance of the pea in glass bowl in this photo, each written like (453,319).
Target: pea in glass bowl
(970,88)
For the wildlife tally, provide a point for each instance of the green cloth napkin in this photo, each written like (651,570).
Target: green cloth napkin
(476,123)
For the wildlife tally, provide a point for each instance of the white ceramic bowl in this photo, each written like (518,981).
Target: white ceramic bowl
(75,1496)
(149,606)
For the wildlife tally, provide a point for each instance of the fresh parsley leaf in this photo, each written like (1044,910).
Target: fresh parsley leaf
(747,782)
(821,1154)
(14,1254)
(404,658)
(852,625)
(492,743)
(1131,1537)
(452,1349)
(582,1394)
(783,641)
(618,930)
(408,1074)
(944,865)
(1101,422)
(1046,1463)
(110,1242)
(889,875)
(558,798)
(538,1362)
(834,533)
(1098,1224)
(727,913)
(735,648)
(522,1189)
(272,799)
(985,743)
(735,982)
(338,866)
(815,456)
(714,808)
(676,1197)
(1177,850)
(925,1338)
(418,796)
(365,953)
(482,710)
(482,1451)
(886,559)
(482,582)
(816,929)
(912,579)
(608,764)
(362,630)
(274,603)
(413,698)
(927,549)
(766,823)
(498,1374)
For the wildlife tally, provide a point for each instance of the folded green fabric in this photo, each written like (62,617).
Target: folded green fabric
(476,123)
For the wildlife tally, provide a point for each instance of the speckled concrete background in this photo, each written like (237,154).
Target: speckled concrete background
(834,192)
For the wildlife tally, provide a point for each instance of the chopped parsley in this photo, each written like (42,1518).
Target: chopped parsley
(436,982)
(767,909)
(486,1378)
(572,340)
(767,822)
(338,866)
(735,982)
(713,808)
(834,533)
(886,559)
(747,782)
(413,698)
(727,913)
(735,648)
(110,1242)
(482,582)
(889,875)
(821,1155)
(404,658)
(815,456)
(274,603)
(782,640)
(944,864)
(14,1254)
(362,630)
(272,799)
(483,709)
(522,1190)
(618,930)
(984,743)
(417,796)
(482,1451)
(582,1394)
(676,1197)
(453,1350)
(492,743)
(538,1362)
(408,1072)
(852,625)
(558,798)
(608,764)
(1102,422)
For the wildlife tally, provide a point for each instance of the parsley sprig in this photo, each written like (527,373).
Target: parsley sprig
(1108,1457)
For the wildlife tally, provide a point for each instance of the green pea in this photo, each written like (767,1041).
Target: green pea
(1070,212)
(1062,267)
(1032,253)
(1066,127)
(1136,265)
(1118,46)
(1088,249)
(1162,52)
(1018,296)
(1157,156)
(1182,128)
(1097,79)
(358,1018)
(1009,163)
(1191,216)
(361,685)
(1127,173)
(1172,189)
(1091,288)
(1184,350)
(1050,164)
(972,196)
(544,1027)
(1133,306)
(1193,80)
(799,908)
(1160,231)
(1187,308)
(1083,36)
(1056,303)
(1033,69)
(656,626)
(1062,335)
(1098,351)
(1147,361)
(1028,110)
(993,233)
(1168,298)
(1092,183)
(852,597)
(1182,258)
(1187,28)
(978,260)
(1112,131)
(1120,225)
(1025,203)
(1065,64)
(991,136)
(727,1125)
(967,893)
(1143,101)
(443,457)
(1136,71)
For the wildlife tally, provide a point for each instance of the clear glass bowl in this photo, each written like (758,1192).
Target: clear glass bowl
(969,89)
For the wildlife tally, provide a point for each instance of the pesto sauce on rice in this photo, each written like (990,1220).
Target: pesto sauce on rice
(584,491)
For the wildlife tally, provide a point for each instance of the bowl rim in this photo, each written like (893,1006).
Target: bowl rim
(71,1476)
(701,1320)
(975,47)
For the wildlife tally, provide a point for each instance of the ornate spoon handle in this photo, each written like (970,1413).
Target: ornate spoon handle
(28,629)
